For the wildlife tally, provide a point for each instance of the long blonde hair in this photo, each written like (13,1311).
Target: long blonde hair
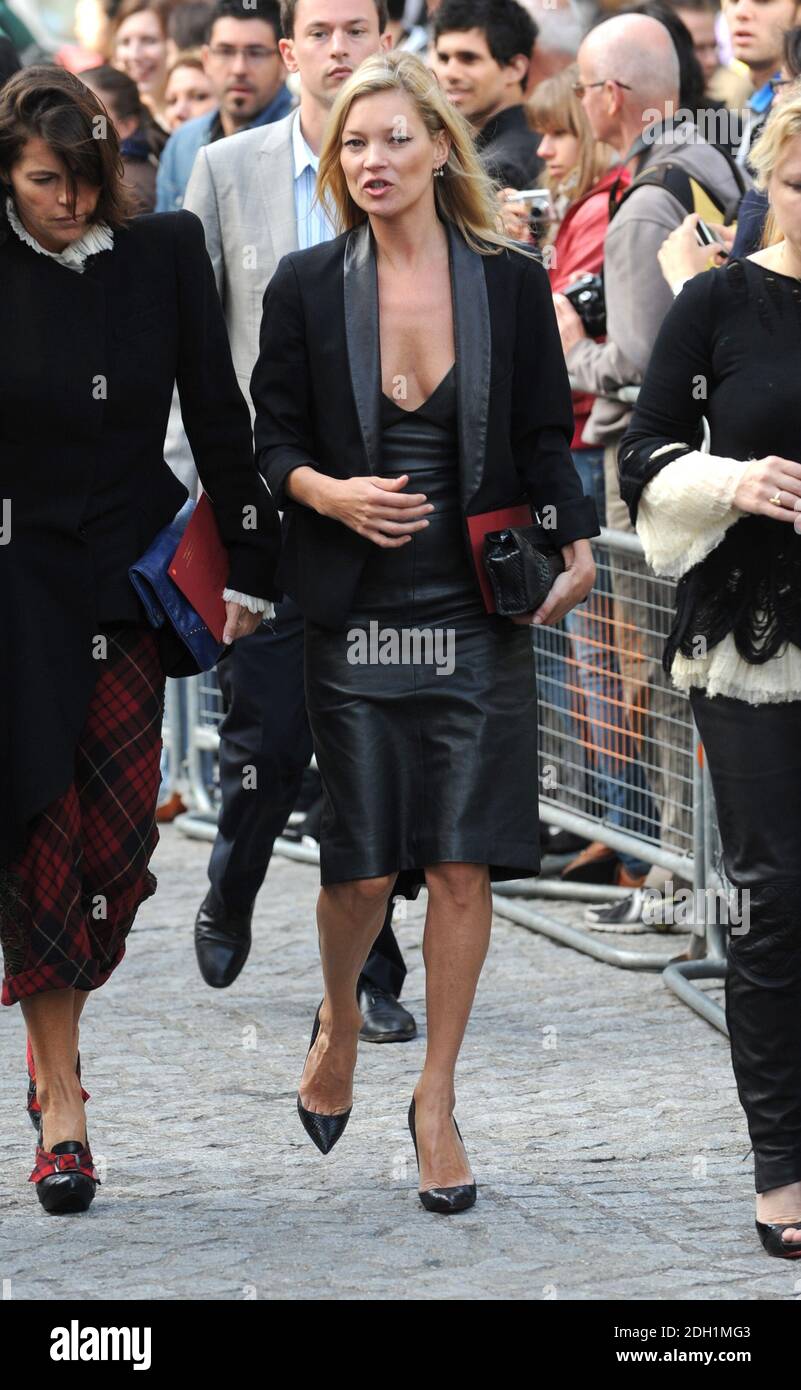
(464,195)
(783,125)
(554,106)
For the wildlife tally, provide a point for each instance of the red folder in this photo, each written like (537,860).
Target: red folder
(478,526)
(200,567)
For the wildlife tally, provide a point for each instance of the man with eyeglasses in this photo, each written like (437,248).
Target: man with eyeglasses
(628,82)
(243,63)
(698,18)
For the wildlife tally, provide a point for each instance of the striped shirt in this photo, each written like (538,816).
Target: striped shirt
(313,225)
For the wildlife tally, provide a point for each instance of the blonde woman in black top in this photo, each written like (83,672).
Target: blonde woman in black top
(726,525)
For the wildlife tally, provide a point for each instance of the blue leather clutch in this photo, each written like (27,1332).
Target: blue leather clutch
(165,605)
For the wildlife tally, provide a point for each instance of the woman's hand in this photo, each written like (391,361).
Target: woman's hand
(681,256)
(376,508)
(765,479)
(571,329)
(514,216)
(239,622)
(570,587)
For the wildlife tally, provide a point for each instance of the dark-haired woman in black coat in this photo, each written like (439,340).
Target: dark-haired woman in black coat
(101,316)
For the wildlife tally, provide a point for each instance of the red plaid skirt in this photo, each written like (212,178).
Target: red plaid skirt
(68,902)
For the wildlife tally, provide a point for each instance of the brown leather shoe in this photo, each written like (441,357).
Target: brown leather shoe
(169,809)
(596,864)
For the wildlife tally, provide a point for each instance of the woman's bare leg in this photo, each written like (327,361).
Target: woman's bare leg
(52,1022)
(349,917)
(455,944)
(80,997)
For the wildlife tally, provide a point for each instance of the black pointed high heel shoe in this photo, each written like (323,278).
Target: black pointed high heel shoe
(770,1233)
(323,1130)
(446,1200)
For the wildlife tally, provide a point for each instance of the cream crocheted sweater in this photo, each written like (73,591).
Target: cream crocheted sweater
(684,512)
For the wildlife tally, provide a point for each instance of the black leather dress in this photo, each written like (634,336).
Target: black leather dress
(423,708)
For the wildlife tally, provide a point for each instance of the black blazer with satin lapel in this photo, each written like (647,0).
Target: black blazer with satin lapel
(316,388)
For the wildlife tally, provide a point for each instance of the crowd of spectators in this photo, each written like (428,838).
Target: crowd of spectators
(596,105)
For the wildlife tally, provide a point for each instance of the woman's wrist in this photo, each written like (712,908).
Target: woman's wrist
(251,602)
(309,487)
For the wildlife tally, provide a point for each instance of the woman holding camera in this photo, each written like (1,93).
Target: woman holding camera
(726,525)
(102,313)
(410,376)
(579,175)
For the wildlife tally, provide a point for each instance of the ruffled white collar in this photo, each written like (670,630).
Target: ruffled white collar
(100,237)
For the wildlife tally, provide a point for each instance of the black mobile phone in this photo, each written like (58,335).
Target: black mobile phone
(705,236)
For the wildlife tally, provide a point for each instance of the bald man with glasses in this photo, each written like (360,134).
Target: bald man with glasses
(628,83)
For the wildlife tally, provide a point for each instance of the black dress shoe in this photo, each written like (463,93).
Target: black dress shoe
(385,1019)
(553,841)
(323,1130)
(222,941)
(445,1200)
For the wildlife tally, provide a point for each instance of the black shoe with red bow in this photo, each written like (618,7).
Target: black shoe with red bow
(65,1176)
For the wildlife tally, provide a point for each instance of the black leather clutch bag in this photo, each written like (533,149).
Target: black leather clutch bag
(521,570)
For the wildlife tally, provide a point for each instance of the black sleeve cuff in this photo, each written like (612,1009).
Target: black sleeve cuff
(575,521)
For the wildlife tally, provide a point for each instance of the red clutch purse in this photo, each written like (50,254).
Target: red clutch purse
(200,567)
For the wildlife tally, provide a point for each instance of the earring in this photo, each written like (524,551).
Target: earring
(439,170)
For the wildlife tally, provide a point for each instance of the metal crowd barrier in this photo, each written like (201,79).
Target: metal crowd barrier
(620,763)
(173,769)
(205,712)
(618,749)
(681,976)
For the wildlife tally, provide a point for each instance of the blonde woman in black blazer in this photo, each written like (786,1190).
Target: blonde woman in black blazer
(429,768)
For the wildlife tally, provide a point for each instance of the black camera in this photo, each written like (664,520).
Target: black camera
(587,297)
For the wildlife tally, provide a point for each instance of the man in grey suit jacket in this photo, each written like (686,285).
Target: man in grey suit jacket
(254,194)
(243,190)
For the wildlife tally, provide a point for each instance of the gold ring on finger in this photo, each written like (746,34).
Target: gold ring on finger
(775,501)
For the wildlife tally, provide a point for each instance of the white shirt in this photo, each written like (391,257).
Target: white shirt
(97,238)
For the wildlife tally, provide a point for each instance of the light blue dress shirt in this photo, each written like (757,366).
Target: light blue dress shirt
(313,225)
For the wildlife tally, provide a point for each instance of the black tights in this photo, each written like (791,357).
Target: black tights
(754,758)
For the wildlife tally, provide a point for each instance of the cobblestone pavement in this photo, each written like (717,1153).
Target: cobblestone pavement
(599,1113)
